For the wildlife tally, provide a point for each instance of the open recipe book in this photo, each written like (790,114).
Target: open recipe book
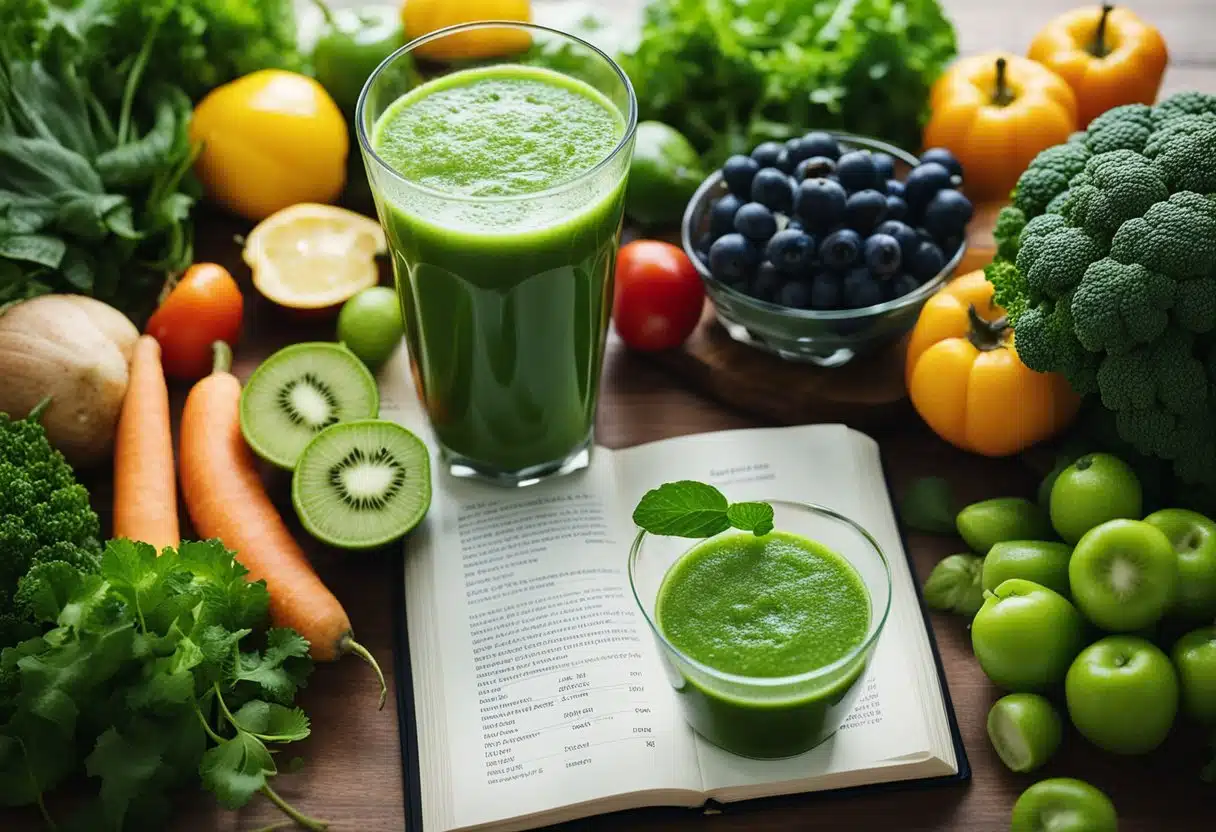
(532,691)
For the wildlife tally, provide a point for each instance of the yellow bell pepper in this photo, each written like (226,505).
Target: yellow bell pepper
(270,139)
(421,17)
(966,381)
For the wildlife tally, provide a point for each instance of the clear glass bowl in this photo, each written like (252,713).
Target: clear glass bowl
(768,717)
(828,338)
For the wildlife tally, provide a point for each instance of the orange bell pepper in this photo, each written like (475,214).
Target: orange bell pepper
(995,112)
(966,381)
(421,17)
(1108,55)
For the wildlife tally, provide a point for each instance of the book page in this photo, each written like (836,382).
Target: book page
(551,692)
(814,464)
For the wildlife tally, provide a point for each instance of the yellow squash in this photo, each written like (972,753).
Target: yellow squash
(966,381)
(270,139)
(421,17)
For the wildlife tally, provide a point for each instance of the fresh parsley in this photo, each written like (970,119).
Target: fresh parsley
(157,672)
(688,508)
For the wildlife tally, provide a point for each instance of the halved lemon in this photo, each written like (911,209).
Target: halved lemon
(313,256)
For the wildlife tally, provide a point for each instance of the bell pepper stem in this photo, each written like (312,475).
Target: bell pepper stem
(986,335)
(1099,47)
(1002,96)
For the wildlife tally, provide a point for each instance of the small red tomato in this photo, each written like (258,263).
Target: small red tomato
(204,307)
(658,297)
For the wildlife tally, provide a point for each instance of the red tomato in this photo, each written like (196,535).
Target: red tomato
(659,295)
(204,307)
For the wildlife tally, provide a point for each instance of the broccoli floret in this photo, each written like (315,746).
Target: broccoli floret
(1185,151)
(1195,305)
(1046,341)
(1008,288)
(1189,103)
(1113,188)
(1054,256)
(1008,227)
(1118,305)
(1058,203)
(1164,375)
(1126,127)
(1176,237)
(1048,176)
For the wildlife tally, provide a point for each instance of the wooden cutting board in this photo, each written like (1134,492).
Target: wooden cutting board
(867,393)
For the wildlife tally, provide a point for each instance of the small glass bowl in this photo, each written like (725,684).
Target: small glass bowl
(827,338)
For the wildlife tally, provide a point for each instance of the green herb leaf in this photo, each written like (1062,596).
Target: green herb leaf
(281,669)
(683,509)
(235,769)
(272,722)
(38,249)
(955,585)
(229,599)
(125,768)
(35,756)
(751,517)
(928,506)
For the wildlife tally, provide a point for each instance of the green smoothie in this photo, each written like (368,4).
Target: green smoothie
(503,234)
(766,607)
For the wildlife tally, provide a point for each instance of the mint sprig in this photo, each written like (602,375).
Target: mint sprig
(688,508)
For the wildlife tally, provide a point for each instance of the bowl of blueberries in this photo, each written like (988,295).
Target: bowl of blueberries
(825,247)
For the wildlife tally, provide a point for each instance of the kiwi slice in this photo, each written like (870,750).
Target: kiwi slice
(362,484)
(298,392)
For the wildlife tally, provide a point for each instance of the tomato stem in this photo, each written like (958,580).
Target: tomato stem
(1002,96)
(1099,47)
(222,361)
(986,335)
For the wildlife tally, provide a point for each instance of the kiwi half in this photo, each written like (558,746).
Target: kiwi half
(362,484)
(298,392)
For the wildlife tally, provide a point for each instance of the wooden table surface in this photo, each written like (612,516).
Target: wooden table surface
(353,772)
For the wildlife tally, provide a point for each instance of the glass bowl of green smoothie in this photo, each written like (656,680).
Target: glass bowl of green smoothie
(766,638)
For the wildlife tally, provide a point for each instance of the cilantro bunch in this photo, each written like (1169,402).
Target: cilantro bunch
(157,672)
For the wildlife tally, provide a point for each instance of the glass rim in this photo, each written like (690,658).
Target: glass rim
(775,681)
(631,118)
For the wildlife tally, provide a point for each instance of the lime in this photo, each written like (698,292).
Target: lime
(1093,489)
(370,324)
(1025,730)
(663,175)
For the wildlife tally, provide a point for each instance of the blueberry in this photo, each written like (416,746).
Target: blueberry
(922,183)
(895,188)
(856,171)
(950,245)
(821,202)
(703,256)
(732,258)
(903,234)
(791,251)
(884,165)
(798,150)
(825,291)
(766,283)
(771,187)
(882,254)
(814,168)
(944,158)
(795,225)
(795,294)
(901,286)
(947,213)
(840,249)
(859,289)
(755,222)
(766,154)
(784,163)
(722,216)
(738,171)
(864,210)
(818,143)
(926,261)
(897,209)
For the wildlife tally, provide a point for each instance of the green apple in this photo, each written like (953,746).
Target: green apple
(1093,489)
(1063,804)
(1122,694)
(1194,657)
(1194,539)
(1025,730)
(988,522)
(1042,561)
(1123,574)
(1026,635)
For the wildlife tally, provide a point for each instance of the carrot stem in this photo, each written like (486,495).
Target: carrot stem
(349,645)
(222,362)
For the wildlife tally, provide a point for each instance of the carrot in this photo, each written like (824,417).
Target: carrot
(145,487)
(226,499)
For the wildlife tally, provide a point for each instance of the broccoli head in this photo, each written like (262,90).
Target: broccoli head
(1006,231)
(1188,103)
(1054,256)
(1175,237)
(1126,127)
(1195,305)
(1164,375)
(1045,340)
(1185,151)
(1047,176)
(1118,305)
(1113,188)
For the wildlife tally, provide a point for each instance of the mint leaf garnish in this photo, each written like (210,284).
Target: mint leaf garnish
(688,508)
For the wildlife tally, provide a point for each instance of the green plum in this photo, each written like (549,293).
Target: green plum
(988,522)
(1194,540)
(370,324)
(1063,804)
(1093,489)
(1123,574)
(1194,658)
(1042,561)
(1122,694)
(1025,730)
(1025,636)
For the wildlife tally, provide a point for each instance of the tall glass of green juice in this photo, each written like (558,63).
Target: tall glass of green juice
(767,638)
(500,187)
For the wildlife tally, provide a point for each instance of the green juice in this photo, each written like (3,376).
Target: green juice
(766,607)
(503,234)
